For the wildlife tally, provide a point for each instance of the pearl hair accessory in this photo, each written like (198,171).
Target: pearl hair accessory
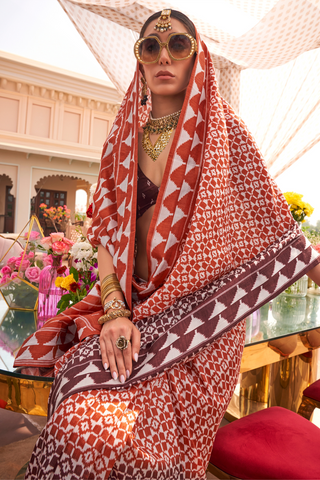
(164,22)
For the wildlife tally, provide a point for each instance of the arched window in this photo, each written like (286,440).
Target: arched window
(81,201)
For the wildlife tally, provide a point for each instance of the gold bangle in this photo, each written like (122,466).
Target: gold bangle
(109,282)
(112,276)
(106,294)
(106,287)
(113,285)
(114,314)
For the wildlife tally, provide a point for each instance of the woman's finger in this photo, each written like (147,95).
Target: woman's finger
(127,357)
(120,362)
(112,359)
(104,356)
(135,341)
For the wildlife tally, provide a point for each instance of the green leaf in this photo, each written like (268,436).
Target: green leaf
(75,273)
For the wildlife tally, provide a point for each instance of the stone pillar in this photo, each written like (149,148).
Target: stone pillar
(23,195)
(229,86)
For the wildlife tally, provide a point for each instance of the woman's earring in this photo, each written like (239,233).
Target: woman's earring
(144,96)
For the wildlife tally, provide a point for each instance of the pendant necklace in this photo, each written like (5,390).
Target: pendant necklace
(164,127)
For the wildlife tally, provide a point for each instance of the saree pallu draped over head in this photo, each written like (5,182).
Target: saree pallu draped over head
(222,241)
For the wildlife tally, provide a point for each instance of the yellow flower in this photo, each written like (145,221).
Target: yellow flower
(298,207)
(293,198)
(308,209)
(58,281)
(66,282)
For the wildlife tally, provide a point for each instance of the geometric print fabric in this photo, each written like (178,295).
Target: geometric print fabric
(163,428)
(217,206)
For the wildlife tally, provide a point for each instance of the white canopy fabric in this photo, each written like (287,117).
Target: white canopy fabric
(270,70)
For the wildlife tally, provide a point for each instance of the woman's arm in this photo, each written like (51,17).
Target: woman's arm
(119,361)
(314,274)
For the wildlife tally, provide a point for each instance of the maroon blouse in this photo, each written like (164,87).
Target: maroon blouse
(147,193)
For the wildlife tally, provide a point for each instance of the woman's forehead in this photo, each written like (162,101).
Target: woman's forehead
(176,25)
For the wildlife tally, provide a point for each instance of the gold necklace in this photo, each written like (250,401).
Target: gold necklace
(164,127)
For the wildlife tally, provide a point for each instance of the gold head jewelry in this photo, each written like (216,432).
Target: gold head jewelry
(163,126)
(164,21)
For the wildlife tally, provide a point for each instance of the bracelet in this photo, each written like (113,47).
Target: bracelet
(114,304)
(108,292)
(114,314)
(106,289)
(109,278)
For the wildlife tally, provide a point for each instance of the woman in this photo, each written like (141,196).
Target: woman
(193,236)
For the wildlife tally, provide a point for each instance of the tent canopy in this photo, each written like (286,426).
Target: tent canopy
(265,52)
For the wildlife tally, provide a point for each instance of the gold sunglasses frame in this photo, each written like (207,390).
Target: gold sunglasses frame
(194,47)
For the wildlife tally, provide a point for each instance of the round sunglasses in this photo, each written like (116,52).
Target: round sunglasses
(180,46)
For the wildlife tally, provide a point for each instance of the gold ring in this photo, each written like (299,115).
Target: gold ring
(122,343)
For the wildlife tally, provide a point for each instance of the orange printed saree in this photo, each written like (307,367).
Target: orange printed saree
(222,242)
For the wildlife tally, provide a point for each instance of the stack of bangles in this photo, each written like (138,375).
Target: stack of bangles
(111,284)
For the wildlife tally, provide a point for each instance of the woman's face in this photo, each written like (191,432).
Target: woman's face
(167,76)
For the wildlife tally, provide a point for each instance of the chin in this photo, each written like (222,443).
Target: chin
(167,90)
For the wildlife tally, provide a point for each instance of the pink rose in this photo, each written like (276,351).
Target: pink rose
(24,264)
(47,259)
(60,248)
(4,279)
(30,255)
(33,235)
(12,262)
(68,242)
(15,278)
(317,247)
(33,274)
(57,236)
(46,242)
(6,270)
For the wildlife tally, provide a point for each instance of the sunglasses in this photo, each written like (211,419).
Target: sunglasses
(180,46)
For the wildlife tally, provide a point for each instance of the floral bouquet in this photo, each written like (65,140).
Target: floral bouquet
(58,216)
(19,278)
(298,208)
(28,268)
(82,277)
(56,244)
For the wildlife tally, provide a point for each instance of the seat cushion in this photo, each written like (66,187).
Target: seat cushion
(271,444)
(313,391)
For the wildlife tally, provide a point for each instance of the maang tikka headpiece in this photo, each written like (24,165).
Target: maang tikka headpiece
(164,22)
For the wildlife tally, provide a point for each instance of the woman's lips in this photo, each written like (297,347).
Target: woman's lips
(164,74)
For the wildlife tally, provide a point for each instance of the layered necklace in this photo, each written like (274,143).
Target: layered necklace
(164,127)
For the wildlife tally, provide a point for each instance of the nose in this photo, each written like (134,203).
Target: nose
(164,58)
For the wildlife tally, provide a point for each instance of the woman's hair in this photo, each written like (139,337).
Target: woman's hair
(174,14)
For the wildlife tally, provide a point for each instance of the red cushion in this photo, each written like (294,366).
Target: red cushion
(313,391)
(271,444)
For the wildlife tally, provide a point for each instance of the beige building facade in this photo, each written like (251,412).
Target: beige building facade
(53,124)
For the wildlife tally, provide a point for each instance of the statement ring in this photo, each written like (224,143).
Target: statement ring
(122,343)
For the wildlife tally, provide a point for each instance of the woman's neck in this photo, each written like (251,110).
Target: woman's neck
(165,105)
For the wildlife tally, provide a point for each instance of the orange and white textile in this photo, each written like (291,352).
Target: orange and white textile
(162,428)
(222,242)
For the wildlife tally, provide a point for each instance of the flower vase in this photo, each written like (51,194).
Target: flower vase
(49,294)
(313,289)
(298,288)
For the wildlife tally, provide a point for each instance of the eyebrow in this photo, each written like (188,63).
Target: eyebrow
(156,35)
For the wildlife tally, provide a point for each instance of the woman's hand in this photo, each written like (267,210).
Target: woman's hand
(119,361)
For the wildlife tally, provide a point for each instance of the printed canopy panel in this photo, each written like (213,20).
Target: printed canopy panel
(276,40)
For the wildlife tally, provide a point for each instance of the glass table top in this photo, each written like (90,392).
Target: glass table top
(285,315)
